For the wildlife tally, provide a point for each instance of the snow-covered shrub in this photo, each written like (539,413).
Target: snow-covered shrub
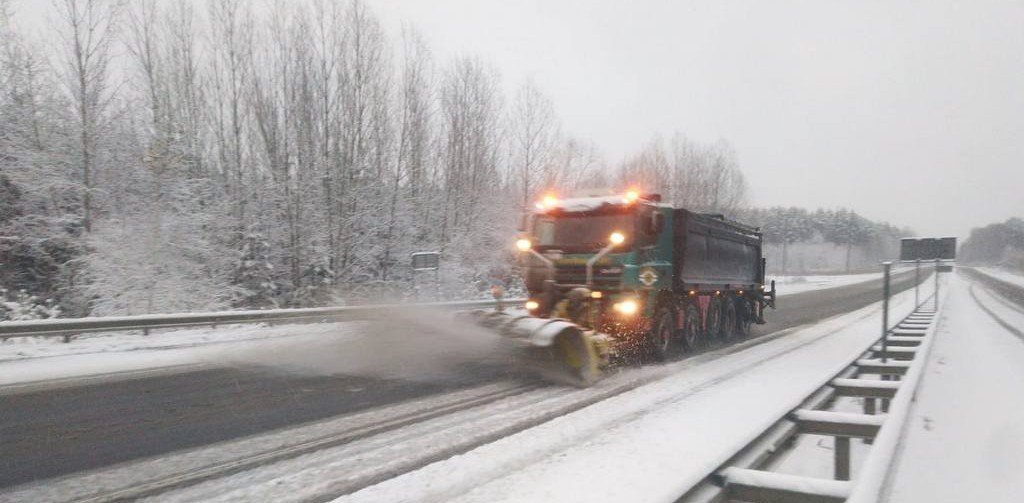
(149,266)
(254,274)
(316,288)
(20,305)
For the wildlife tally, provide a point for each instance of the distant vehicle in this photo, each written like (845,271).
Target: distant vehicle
(640,276)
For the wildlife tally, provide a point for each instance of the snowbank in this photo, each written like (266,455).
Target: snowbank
(965,440)
(1003,274)
(653,443)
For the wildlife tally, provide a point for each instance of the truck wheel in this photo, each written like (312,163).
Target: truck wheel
(714,324)
(662,336)
(729,320)
(691,327)
(746,318)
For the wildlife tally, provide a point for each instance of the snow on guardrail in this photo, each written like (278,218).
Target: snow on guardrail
(70,326)
(876,471)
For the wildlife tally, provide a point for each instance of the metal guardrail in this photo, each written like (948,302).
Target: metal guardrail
(67,327)
(876,471)
(70,326)
(746,475)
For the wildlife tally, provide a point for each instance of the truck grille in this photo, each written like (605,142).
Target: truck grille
(604,275)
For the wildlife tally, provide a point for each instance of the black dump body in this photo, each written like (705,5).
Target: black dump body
(712,252)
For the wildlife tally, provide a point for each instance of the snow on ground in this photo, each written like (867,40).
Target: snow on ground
(797,284)
(134,340)
(813,455)
(965,440)
(130,351)
(652,443)
(414,344)
(164,339)
(1008,276)
(37,359)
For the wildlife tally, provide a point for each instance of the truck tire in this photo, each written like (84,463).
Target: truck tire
(730,320)
(662,336)
(714,321)
(745,318)
(691,327)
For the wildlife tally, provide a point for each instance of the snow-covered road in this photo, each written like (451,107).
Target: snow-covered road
(1013,277)
(762,373)
(34,359)
(965,441)
(652,443)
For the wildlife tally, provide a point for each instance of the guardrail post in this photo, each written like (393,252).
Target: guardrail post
(842,455)
(886,266)
(869,409)
(885,326)
(917,282)
(936,285)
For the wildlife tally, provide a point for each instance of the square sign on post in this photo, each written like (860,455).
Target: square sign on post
(927,249)
(909,249)
(947,248)
(426,261)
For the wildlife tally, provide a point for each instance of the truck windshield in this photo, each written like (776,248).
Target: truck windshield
(582,231)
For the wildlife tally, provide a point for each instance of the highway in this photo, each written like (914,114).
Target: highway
(47,433)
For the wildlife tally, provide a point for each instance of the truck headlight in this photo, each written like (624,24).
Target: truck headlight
(532,305)
(626,307)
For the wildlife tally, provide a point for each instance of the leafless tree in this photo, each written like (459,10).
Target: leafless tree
(415,111)
(231,30)
(88,30)
(533,133)
(706,177)
(471,107)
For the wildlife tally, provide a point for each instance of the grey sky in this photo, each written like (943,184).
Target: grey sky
(912,112)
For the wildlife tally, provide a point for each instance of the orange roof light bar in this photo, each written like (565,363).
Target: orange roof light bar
(549,201)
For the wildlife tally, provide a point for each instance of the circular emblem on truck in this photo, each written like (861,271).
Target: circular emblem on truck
(648,276)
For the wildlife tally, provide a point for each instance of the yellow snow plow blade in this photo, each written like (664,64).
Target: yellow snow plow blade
(555,349)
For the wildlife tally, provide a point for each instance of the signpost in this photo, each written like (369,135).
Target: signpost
(426,262)
(927,249)
(941,250)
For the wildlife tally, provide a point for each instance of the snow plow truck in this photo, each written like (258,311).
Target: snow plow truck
(627,276)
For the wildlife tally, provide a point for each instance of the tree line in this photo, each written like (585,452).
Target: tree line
(786,226)
(996,244)
(174,156)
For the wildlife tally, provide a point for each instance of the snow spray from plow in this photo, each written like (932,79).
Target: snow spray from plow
(555,349)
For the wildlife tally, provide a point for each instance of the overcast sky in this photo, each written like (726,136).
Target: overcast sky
(911,112)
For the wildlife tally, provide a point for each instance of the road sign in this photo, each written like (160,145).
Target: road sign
(912,249)
(426,261)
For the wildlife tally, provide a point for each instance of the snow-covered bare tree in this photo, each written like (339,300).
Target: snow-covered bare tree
(204,154)
(87,33)
(471,107)
(706,177)
(231,42)
(532,136)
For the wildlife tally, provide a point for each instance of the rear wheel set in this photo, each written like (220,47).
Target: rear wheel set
(714,323)
(663,338)
(730,320)
(745,317)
